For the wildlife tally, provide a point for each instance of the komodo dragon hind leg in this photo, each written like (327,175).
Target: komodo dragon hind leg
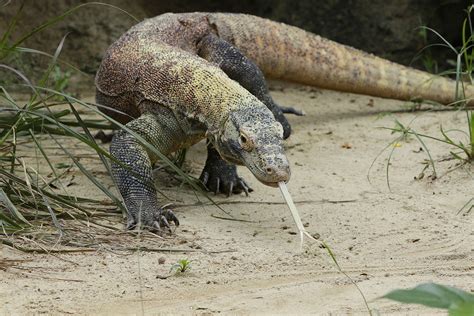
(221,176)
(245,72)
(135,181)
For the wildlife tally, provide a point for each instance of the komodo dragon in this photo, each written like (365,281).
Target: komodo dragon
(180,78)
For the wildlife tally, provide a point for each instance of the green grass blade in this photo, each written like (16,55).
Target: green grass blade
(101,156)
(465,44)
(89,135)
(23,77)
(442,38)
(427,152)
(61,17)
(91,177)
(48,161)
(333,257)
(45,201)
(470,120)
(61,199)
(39,52)
(389,159)
(52,63)
(10,27)
(68,131)
(411,132)
(460,145)
(456,156)
(466,207)
(11,207)
(7,224)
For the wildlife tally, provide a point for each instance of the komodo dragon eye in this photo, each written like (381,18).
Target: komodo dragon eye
(245,142)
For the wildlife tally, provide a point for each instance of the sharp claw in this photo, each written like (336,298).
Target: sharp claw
(131,224)
(165,222)
(244,186)
(169,216)
(248,187)
(231,187)
(218,182)
(175,220)
(204,178)
(155,226)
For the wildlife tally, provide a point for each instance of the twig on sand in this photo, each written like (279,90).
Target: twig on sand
(322,201)
(233,219)
(44,250)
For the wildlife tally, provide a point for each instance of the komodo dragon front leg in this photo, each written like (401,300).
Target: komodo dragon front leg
(219,175)
(135,182)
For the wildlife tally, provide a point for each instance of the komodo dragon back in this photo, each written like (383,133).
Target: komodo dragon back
(287,52)
(156,60)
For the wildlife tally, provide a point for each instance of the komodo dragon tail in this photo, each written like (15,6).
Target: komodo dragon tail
(286,52)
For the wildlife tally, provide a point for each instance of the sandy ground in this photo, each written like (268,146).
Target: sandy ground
(383,239)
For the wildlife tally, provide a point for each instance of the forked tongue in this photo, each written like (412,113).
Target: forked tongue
(294,213)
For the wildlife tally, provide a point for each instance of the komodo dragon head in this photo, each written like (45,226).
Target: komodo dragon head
(252,137)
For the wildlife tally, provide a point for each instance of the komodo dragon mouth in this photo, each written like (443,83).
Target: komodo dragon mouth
(271,184)
(283,177)
(278,170)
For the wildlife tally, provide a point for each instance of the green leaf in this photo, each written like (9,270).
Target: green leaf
(435,295)
(465,309)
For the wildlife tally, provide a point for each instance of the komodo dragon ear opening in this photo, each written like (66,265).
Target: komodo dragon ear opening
(226,142)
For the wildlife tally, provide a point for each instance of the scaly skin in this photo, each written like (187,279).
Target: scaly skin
(178,78)
(287,52)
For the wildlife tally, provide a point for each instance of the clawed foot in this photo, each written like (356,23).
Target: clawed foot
(221,177)
(158,221)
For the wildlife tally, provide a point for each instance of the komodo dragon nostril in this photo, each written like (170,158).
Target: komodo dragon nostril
(270,170)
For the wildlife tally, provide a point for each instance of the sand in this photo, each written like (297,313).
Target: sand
(384,239)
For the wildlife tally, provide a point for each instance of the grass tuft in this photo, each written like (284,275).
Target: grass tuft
(37,196)
(460,141)
(39,208)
